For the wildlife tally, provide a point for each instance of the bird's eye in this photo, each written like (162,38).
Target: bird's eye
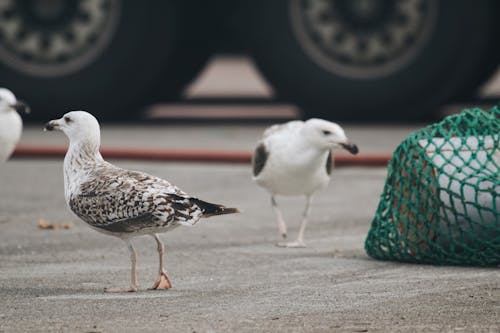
(325,132)
(67,120)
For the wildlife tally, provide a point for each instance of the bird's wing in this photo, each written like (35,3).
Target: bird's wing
(261,153)
(329,163)
(10,133)
(259,158)
(118,200)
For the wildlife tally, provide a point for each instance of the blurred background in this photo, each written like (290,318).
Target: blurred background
(358,60)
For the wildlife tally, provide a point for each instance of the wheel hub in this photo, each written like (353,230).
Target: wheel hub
(362,39)
(363,14)
(55,37)
(47,14)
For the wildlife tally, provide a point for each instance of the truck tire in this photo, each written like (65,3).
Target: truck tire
(369,59)
(103,56)
(482,58)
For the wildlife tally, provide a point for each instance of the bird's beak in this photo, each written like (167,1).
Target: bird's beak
(21,107)
(350,147)
(51,125)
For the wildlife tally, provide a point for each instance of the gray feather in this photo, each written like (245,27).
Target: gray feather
(259,159)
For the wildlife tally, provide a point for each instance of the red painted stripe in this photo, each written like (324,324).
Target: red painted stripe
(201,155)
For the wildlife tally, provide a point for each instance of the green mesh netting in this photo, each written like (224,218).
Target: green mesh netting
(441,199)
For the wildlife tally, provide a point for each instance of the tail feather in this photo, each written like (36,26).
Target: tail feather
(210,209)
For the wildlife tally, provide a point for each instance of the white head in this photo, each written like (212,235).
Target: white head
(327,135)
(9,102)
(79,127)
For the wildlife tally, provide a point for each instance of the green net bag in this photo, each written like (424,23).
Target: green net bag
(441,199)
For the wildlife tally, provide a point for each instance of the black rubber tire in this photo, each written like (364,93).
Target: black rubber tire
(145,49)
(483,58)
(193,49)
(447,60)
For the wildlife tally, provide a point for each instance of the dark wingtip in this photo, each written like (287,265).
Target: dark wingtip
(225,210)
(210,209)
(221,211)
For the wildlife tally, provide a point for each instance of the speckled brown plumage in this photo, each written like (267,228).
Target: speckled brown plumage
(120,202)
(123,201)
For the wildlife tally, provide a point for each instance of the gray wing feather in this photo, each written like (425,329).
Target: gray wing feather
(128,224)
(329,163)
(259,159)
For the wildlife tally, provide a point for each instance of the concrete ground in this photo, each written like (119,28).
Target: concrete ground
(232,136)
(227,274)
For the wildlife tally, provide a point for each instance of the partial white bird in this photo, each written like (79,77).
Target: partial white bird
(294,159)
(119,202)
(11,124)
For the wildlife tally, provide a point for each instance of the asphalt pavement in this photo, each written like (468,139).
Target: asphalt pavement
(228,275)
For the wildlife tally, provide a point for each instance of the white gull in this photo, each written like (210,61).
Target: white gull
(294,159)
(11,124)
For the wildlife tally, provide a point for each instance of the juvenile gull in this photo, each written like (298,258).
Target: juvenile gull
(120,202)
(11,124)
(295,158)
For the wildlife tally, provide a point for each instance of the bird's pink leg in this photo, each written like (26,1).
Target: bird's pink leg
(279,217)
(133,273)
(162,282)
(299,242)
